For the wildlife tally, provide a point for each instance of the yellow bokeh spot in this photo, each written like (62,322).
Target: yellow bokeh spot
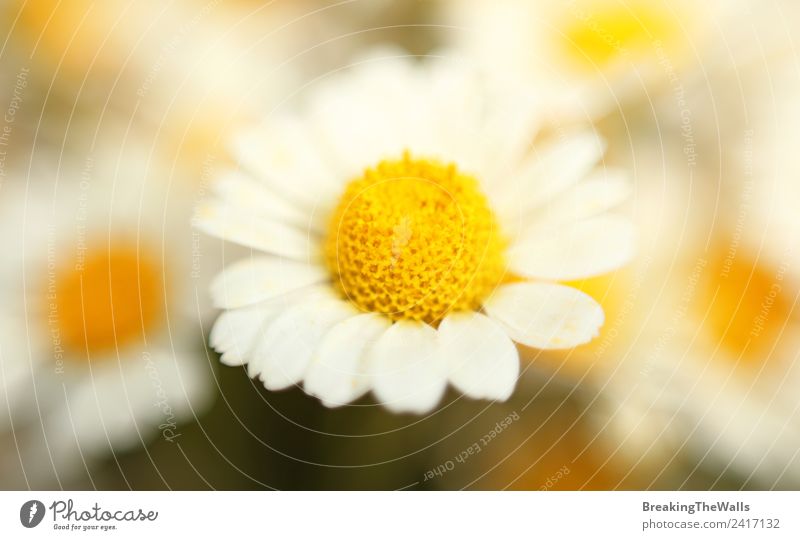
(74,34)
(415,239)
(598,33)
(109,299)
(746,306)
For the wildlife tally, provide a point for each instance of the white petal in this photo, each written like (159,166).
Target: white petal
(457,98)
(482,359)
(548,172)
(408,371)
(124,400)
(283,155)
(337,375)
(239,190)
(507,135)
(600,192)
(580,250)
(249,228)
(21,360)
(235,332)
(544,315)
(373,112)
(252,280)
(283,353)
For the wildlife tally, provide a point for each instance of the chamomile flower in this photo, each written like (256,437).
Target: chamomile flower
(161,64)
(594,56)
(405,235)
(707,344)
(719,383)
(102,349)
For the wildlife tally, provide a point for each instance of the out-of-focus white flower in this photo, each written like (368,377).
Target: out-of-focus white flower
(595,56)
(188,71)
(407,234)
(764,151)
(100,346)
(710,367)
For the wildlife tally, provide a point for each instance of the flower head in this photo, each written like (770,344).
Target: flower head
(93,339)
(409,235)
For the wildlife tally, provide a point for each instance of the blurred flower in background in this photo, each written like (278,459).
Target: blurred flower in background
(595,57)
(709,377)
(119,118)
(106,351)
(711,374)
(185,71)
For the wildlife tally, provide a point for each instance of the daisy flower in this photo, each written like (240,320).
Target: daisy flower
(706,344)
(594,56)
(161,63)
(721,389)
(100,352)
(405,235)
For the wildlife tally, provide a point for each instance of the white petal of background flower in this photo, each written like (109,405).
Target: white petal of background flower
(117,404)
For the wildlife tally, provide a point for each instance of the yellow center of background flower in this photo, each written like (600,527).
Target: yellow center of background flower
(109,299)
(415,239)
(598,33)
(746,307)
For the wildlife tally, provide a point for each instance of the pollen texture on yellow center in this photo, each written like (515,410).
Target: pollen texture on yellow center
(415,239)
(109,299)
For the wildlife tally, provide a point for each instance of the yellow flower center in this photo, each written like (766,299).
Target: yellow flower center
(415,239)
(109,299)
(601,32)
